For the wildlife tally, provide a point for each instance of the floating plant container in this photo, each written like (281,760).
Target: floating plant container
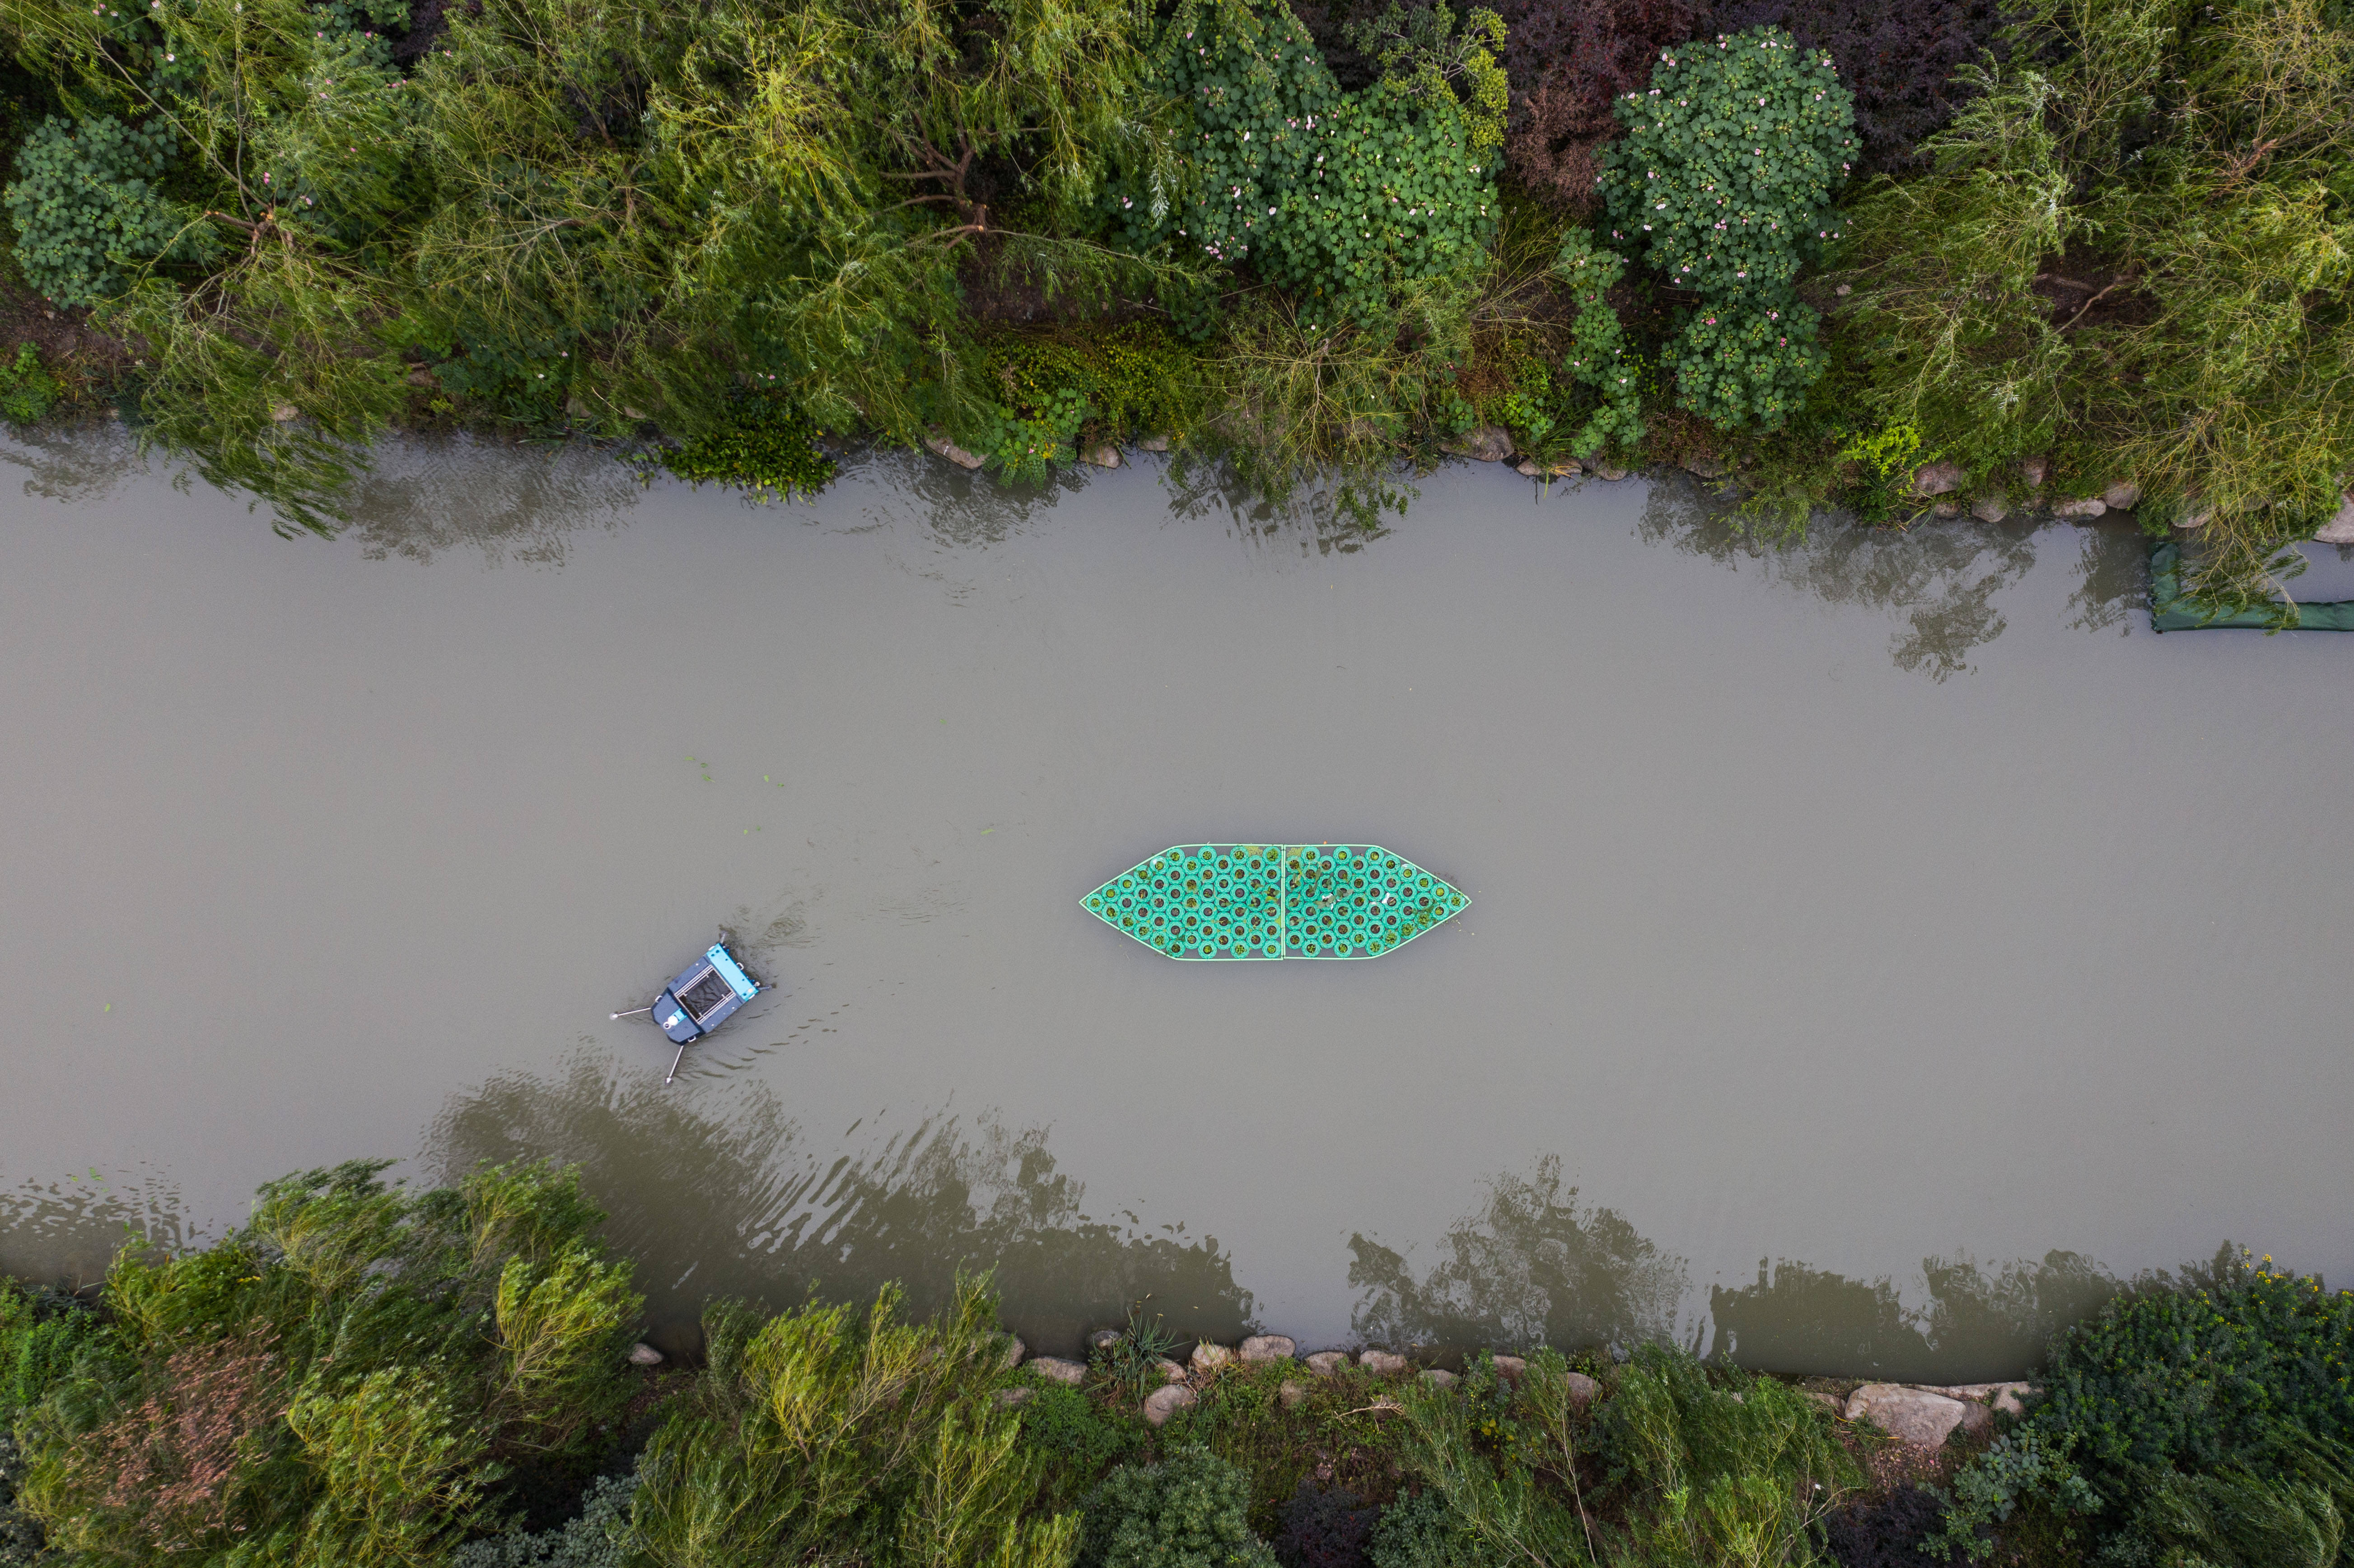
(1274,901)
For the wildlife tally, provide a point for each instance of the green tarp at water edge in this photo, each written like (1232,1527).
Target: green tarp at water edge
(2170,611)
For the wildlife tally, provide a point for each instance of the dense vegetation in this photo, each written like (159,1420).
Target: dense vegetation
(2057,243)
(363,1375)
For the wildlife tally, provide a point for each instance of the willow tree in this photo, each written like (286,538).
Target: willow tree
(642,203)
(260,340)
(2135,250)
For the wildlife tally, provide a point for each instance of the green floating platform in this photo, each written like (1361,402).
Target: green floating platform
(2169,610)
(1274,901)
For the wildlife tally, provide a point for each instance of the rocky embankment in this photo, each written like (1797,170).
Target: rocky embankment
(1919,1414)
(1943,485)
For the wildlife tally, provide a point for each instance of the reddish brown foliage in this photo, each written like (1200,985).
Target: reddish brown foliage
(168,1462)
(1567,59)
(1898,60)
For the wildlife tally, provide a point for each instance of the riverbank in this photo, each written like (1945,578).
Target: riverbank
(1447,231)
(367,1375)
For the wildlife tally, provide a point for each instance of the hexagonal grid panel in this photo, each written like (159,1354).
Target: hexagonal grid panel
(1236,902)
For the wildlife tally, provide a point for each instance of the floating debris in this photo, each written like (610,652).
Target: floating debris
(1274,901)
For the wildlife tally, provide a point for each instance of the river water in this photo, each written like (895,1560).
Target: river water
(1878,950)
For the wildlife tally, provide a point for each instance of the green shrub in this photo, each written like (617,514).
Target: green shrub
(1884,462)
(2250,1373)
(1028,445)
(2239,1372)
(40,1334)
(1724,1469)
(1420,1532)
(21,1537)
(766,443)
(1724,181)
(27,391)
(2016,1467)
(1191,1510)
(598,1538)
(1597,351)
(1342,199)
(86,206)
(1135,379)
(1073,1441)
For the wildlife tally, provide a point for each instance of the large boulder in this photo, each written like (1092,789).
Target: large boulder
(1938,478)
(2031,472)
(1209,1358)
(2122,496)
(1104,456)
(1990,509)
(1171,1372)
(641,1354)
(1268,1348)
(1015,1351)
(1382,1363)
(1293,1394)
(1327,1363)
(1481,443)
(943,447)
(1511,1368)
(2091,507)
(1059,1369)
(1912,1415)
(1163,1403)
(1103,1338)
(1440,1377)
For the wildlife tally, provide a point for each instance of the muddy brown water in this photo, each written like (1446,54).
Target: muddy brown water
(1878,949)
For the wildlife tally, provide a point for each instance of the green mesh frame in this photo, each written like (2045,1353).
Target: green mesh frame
(1274,901)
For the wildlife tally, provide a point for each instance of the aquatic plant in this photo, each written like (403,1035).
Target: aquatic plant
(1133,1360)
(27,390)
(765,444)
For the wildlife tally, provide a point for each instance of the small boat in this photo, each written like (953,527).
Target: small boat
(700,998)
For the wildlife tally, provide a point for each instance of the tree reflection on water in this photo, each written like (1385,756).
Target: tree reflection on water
(1977,1324)
(742,1204)
(1942,577)
(1532,1264)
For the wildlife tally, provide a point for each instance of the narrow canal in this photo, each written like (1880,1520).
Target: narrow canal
(1877,951)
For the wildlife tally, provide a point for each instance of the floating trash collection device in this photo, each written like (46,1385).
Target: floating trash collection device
(1274,901)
